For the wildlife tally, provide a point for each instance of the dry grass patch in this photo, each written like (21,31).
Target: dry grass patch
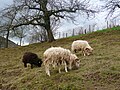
(100,71)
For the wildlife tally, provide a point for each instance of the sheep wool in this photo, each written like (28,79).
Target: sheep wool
(57,56)
(81,45)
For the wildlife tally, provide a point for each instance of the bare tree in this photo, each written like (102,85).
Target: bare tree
(46,12)
(112,6)
(37,34)
(20,33)
(7,17)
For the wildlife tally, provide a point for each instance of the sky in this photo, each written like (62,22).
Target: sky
(4,3)
(81,21)
(99,19)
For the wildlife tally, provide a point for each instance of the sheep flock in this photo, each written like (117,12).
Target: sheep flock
(58,57)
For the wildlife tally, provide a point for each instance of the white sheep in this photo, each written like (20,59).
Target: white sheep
(81,45)
(57,56)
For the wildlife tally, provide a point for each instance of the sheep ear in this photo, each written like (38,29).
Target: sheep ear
(76,59)
(87,49)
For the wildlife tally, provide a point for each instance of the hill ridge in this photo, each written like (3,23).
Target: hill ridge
(100,71)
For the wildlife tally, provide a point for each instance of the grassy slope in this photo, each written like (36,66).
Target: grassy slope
(100,71)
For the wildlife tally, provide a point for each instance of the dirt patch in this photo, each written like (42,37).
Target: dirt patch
(13,72)
(108,78)
(95,76)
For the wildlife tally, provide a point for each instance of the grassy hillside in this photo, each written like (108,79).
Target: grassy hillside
(100,71)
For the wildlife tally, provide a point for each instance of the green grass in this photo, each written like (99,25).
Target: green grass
(100,71)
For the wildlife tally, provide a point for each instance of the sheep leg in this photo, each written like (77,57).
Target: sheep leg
(59,70)
(66,67)
(31,66)
(70,65)
(47,70)
(25,64)
(83,53)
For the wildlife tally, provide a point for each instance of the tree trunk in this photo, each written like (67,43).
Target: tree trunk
(1,42)
(6,43)
(20,41)
(48,29)
(50,35)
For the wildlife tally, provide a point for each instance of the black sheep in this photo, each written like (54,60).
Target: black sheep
(31,58)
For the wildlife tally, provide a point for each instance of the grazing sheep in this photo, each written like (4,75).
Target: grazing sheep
(57,56)
(31,58)
(81,45)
